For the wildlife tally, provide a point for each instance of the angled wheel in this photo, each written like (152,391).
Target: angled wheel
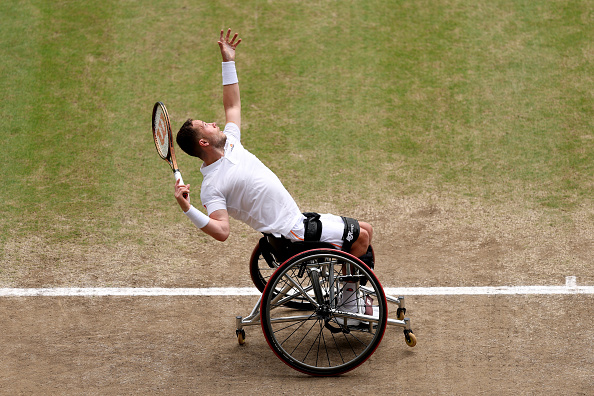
(262,266)
(344,322)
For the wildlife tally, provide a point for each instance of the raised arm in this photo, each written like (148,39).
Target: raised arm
(231,99)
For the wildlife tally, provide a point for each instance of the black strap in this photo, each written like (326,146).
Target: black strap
(313,227)
(351,233)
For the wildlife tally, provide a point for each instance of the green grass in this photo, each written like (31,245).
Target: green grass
(347,101)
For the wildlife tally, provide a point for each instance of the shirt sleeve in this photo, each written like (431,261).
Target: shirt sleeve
(231,129)
(212,199)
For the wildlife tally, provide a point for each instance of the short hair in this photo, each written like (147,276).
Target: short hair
(187,139)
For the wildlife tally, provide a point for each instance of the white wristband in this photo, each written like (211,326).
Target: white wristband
(229,73)
(199,219)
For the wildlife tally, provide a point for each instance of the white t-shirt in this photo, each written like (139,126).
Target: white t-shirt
(250,192)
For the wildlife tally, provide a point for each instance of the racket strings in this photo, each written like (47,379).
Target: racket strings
(161,132)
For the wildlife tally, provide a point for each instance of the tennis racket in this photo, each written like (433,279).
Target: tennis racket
(164,139)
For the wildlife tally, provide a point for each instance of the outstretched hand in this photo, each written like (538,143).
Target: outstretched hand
(228,46)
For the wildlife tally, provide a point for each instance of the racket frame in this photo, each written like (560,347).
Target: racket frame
(170,155)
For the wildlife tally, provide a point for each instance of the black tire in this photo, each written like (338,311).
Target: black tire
(260,269)
(317,341)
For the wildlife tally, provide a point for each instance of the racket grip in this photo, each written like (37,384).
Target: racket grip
(178,176)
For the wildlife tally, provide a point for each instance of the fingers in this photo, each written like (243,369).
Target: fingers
(182,196)
(225,38)
(180,189)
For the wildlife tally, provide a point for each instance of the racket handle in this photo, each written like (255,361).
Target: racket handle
(178,176)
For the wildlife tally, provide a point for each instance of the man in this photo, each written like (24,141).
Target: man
(236,183)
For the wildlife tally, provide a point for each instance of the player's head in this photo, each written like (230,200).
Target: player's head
(195,136)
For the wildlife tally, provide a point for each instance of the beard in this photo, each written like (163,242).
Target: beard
(217,142)
(220,143)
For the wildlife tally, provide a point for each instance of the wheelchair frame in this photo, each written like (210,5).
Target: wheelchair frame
(308,282)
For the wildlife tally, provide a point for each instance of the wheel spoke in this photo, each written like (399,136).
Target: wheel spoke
(337,348)
(312,345)
(298,324)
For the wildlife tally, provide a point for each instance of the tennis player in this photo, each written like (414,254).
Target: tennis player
(238,184)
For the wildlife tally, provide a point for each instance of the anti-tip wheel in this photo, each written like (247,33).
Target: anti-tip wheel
(410,338)
(240,336)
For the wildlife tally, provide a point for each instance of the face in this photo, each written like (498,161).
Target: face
(210,133)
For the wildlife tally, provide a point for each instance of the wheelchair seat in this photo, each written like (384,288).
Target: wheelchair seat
(283,249)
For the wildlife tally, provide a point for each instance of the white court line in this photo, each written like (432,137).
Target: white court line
(129,291)
(569,288)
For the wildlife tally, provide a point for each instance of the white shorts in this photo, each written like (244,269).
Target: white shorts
(332,230)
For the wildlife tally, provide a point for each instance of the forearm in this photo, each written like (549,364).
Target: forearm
(231,99)
(216,225)
(231,96)
(217,229)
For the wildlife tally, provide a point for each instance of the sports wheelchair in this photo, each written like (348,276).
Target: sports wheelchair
(323,311)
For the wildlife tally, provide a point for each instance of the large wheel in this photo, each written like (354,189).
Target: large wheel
(343,324)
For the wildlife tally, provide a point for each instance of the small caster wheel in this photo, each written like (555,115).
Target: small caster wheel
(240,336)
(410,338)
(400,312)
